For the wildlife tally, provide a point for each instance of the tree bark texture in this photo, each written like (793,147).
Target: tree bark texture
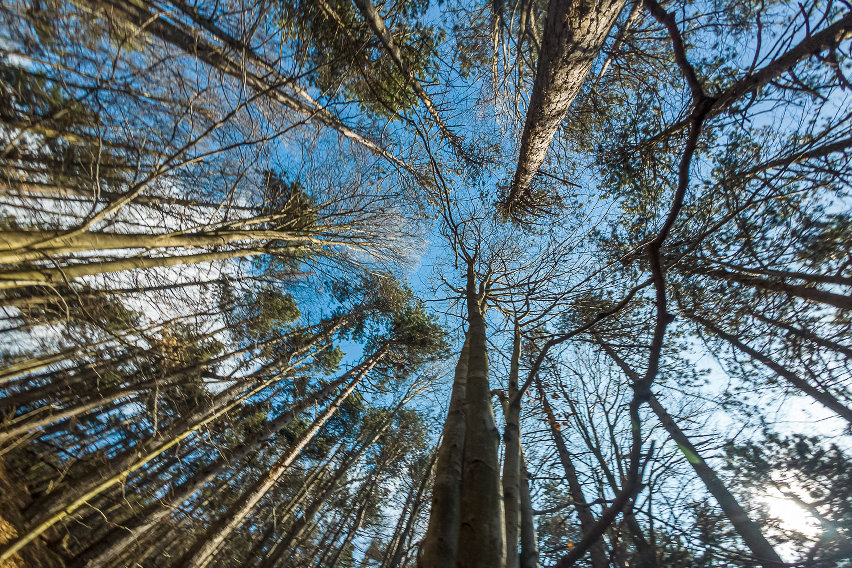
(574,32)
(482,534)
(440,545)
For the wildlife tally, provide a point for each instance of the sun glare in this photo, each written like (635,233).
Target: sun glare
(791,515)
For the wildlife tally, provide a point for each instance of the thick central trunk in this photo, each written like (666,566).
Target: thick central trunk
(482,534)
(440,546)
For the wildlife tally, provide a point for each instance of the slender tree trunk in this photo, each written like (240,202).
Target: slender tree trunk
(584,513)
(377,24)
(574,32)
(123,536)
(482,535)
(395,553)
(529,542)
(512,456)
(49,511)
(357,522)
(58,276)
(748,530)
(202,553)
(41,418)
(440,545)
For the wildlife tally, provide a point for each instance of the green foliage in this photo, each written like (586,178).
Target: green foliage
(345,54)
(328,360)
(287,204)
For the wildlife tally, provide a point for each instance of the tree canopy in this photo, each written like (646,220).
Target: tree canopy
(349,283)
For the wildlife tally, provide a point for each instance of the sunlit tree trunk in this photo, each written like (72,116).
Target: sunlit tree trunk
(58,276)
(51,510)
(574,32)
(123,536)
(482,535)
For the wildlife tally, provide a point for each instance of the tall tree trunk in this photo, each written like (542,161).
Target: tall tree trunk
(121,537)
(60,276)
(202,553)
(748,530)
(377,24)
(482,535)
(529,542)
(39,418)
(358,521)
(512,456)
(396,552)
(574,32)
(584,512)
(22,246)
(440,545)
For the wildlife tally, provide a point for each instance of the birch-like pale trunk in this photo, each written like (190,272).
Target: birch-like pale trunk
(57,276)
(512,456)
(574,32)
(440,545)
(482,536)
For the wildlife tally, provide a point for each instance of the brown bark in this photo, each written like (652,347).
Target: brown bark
(809,293)
(574,32)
